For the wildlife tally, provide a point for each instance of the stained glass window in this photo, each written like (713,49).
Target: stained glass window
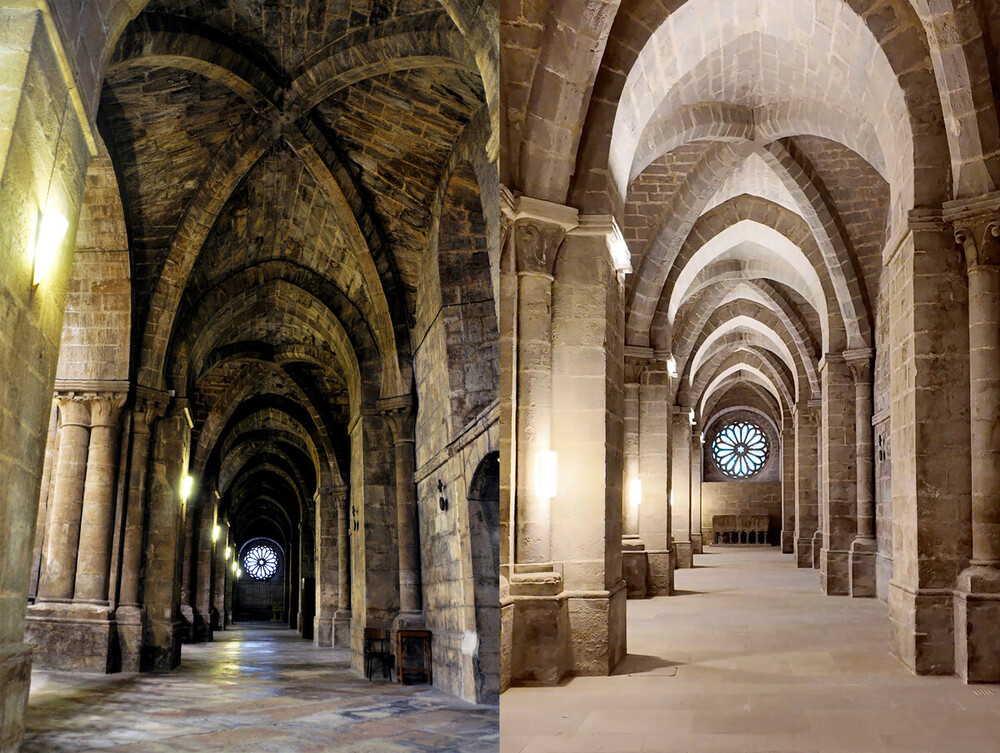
(740,449)
(260,561)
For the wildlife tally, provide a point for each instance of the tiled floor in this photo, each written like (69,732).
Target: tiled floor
(750,657)
(259,691)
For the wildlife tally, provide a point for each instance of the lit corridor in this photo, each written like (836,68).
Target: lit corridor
(265,691)
(750,656)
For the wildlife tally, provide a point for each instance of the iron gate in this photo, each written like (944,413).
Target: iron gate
(257,602)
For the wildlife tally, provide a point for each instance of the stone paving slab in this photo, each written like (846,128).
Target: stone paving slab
(251,691)
(765,663)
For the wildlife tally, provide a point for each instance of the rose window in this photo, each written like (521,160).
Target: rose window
(740,449)
(260,562)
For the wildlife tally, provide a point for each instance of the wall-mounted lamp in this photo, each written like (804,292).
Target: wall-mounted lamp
(187,484)
(52,228)
(635,492)
(546,474)
(239,572)
(692,417)
(672,367)
(215,533)
(229,552)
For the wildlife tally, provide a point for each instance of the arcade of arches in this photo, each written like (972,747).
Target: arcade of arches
(278,327)
(760,212)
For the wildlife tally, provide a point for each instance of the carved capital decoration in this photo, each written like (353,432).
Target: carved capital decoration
(401,417)
(537,244)
(860,364)
(976,223)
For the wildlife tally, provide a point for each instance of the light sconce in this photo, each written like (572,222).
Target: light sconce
(52,228)
(692,417)
(239,572)
(215,533)
(635,492)
(229,552)
(672,367)
(547,474)
(187,484)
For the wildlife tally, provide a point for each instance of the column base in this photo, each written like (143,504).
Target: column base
(685,554)
(540,629)
(635,567)
(194,628)
(921,626)
(129,621)
(342,628)
(834,572)
(506,633)
(597,631)
(660,581)
(861,568)
(787,542)
(817,547)
(323,632)
(73,636)
(977,624)
(15,679)
(696,544)
(804,552)
(161,651)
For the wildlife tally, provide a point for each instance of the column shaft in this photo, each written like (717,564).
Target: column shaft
(410,601)
(534,413)
(63,527)
(96,526)
(630,507)
(806,491)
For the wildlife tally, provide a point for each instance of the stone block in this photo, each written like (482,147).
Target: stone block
(635,568)
(660,580)
(15,679)
(128,621)
(78,637)
(977,625)
(322,632)
(787,542)
(541,630)
(921,626)
(861,568)
(803,553)
(685,554)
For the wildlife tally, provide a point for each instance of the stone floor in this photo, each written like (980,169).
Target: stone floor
(259,690)
(749,657)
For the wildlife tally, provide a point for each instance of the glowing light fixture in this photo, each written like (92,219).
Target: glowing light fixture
(51,231)
(635,492)
(215,533)
(547,474)
(187,483)
(229,552)
(236,567)
(672,367)
(692,417)
(239,572)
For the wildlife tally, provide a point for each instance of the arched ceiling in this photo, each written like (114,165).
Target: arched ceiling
(278,164)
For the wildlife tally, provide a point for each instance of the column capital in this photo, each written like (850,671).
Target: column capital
(976,223)
(400,415)
(539,229)
(859,361)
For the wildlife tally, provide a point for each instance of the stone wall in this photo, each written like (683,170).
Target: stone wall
(740,498)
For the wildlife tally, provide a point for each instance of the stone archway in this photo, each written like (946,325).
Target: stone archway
(484,529)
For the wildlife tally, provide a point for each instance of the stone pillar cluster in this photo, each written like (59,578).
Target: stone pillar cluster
(71,625)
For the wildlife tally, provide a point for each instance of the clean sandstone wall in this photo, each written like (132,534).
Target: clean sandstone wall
(740,498)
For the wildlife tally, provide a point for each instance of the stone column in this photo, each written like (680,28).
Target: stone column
(787,483)
(219,576)
(97,522)
(839,490)
(977,596)
(342,618)
(696,522)
(401,421)
(864,547)
(189,555)
(931,505)
(327,577)
(635,565)
(537,242)
(588,388)
(58,577)
(205,557)
(164,541)
(806,420)
(654,469)
(680,485)
(129,615)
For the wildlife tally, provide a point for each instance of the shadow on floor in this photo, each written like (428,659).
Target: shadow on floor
(635,664)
